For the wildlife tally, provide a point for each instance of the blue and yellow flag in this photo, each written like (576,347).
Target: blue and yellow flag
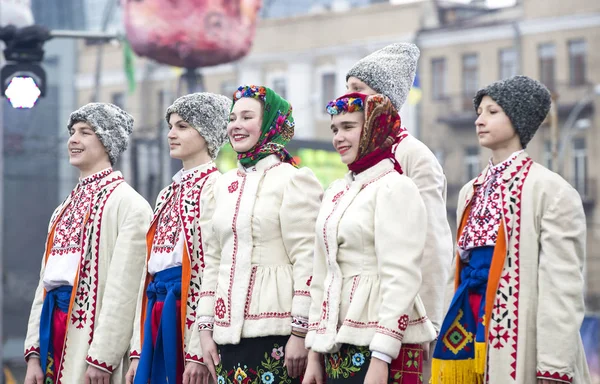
(415,94)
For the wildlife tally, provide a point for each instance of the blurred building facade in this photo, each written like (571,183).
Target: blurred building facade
(463,47)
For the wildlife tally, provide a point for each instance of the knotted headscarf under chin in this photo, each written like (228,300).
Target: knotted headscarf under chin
(379,132)
(277,128)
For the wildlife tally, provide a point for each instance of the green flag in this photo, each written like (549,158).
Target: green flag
(129,65)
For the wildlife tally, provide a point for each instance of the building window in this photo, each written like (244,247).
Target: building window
(547,56)
(580,166)
(508,63)
(471,163)
(470,76)
(327,88)
(118,99)
(547,156)
(577,55)
(279,86)
(438,78)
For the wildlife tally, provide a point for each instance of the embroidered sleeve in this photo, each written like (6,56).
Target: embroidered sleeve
(299,210)
(560,284)
(114,327)
(212,260)
(559,378)
(428,175)
(32,340)
(400,223)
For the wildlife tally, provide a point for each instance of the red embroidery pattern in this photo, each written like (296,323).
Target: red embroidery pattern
(168,228)
(486,212)
(563,378)
(31,350)
(355,281)
(337,196)
(67,236)
(309,281)
(503,330)
(233,187)
(235,250)
(403,323)
(196,358)
(134,354)
(99,364)
(189,212)
(220,308)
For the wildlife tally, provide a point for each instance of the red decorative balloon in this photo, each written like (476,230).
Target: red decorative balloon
(191,33)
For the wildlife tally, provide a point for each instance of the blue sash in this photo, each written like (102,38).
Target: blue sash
(59,298)
(158,363)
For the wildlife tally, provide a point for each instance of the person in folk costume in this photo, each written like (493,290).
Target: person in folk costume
(391,71)
(366,315)
(82,314)
(165,343)
(255,296)
(519,304)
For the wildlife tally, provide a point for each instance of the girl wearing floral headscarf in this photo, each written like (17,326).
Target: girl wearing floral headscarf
(255,298)
(366,316)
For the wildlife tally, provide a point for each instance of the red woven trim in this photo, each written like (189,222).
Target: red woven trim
(302,293)
(31,351)
(194,358)
(562,378)
(100,365)
(134,355)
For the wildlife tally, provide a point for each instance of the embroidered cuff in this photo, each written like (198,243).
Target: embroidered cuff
(32,351)
(559,378)
(206,323)
(134,355)
(300,322)
(100,365)
(194,358)
(381,356)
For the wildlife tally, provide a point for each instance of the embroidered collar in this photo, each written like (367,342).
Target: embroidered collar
(96,176)
(495,171)
(188,174)
(261,165)
(371,173)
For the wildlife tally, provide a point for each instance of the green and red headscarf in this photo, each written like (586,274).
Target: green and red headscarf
(277,127)
(379,133)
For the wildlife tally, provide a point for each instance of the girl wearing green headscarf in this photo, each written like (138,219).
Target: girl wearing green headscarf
(254,302)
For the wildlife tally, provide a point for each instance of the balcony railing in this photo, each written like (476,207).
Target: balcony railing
(456,110)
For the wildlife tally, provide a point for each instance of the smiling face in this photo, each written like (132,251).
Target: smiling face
(185,143)
(244,125)
(494,129)
(354,84)
(346,129)
(86,151)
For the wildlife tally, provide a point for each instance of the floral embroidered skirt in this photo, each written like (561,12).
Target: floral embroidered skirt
(254,361)
(351,363)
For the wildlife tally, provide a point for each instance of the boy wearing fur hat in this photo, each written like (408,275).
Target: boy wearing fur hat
(82,314)
(165,343)
(391,71)
(518,307)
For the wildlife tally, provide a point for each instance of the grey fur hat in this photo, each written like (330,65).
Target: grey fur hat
(390,71)
(525,101)
(208,113)
(111,124)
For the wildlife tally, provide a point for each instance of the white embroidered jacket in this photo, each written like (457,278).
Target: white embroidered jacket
(196,207)
(371,233)
(259,256)
(105,290)
(535,335)
(422,167)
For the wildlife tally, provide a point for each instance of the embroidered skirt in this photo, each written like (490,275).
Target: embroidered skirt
(351,363)
(254,360)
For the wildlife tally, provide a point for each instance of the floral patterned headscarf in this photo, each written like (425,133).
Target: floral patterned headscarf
(277,127)
(380,131)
